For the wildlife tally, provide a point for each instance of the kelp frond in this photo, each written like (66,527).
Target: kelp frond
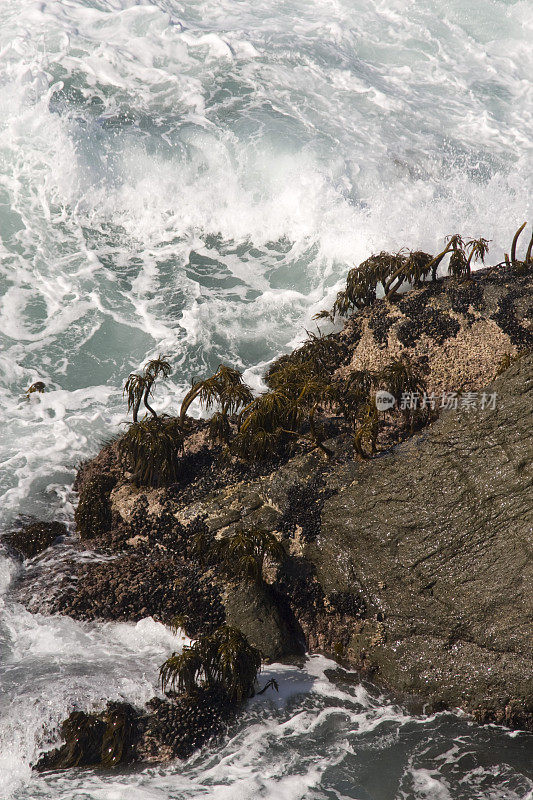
(264,425)
(320,355)
(139,386)
(225,388)
(219,428)
(401,377)
(158,366)
(134,389)
(520,266)
(152,448)
(477,249)
(242,554)
(366,435)
(224,660)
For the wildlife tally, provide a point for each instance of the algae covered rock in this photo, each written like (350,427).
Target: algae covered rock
(122,734)
(106,739)
(411,565)
(176,728)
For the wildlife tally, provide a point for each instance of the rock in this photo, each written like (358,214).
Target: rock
(93,514)
(178,727)
(460,330)
(437,537)
(122,734)
(33,538)
(265,618)
(140,584)
(411,566)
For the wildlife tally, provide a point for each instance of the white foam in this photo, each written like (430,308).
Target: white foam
(56,665)
(427,786)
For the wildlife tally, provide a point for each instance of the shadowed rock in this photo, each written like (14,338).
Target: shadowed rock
(265,618)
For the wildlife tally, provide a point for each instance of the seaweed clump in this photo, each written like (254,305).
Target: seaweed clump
(223,661)
(302,393)
(105,739)
(224,388)
(212,677)
(153,448)
(514,262)
(240,554)
(392,271)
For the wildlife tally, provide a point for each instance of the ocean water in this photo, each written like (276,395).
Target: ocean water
(195,179)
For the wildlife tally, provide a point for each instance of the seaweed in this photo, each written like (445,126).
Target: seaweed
(139,386)
(224,661)
(153,447)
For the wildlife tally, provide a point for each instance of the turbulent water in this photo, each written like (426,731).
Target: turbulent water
(195,179)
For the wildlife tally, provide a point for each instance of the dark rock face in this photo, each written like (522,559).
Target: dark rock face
(437,537)
(176,729)
(136,585)
(31,539)
(93,514)
(266,620)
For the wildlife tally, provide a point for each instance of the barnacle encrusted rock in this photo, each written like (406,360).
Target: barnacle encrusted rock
(459,331)
(31,538)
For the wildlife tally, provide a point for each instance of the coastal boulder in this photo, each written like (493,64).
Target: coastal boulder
(265,618)
(437,535)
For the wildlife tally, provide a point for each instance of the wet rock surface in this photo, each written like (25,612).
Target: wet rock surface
(437,537)
(136,585)
(121,734)
(266,619)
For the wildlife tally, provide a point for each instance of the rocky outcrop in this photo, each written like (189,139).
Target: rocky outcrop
(122,734)
(437,537)
(265,618)
(411,566)
(459,330)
